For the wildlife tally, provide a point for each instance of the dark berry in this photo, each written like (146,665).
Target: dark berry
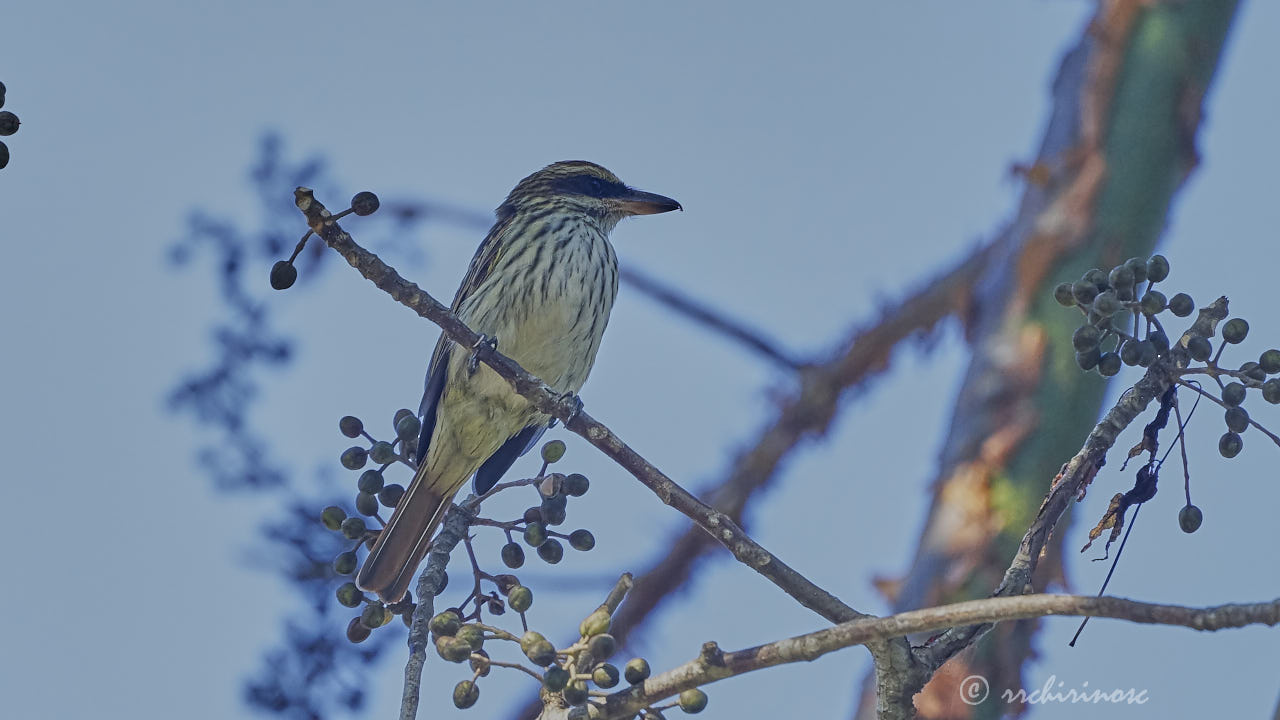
(365,203)
(1190,518)
(351,426)
(283,275)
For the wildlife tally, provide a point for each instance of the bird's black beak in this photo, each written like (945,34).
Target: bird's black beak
(639,202)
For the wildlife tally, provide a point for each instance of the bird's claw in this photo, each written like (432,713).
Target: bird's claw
(577,406)
(473,363)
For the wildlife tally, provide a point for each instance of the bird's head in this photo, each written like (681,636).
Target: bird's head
(583,187)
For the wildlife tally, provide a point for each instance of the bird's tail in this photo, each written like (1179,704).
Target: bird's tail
(403,543)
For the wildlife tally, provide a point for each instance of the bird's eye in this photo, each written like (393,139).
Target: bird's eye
(597,186)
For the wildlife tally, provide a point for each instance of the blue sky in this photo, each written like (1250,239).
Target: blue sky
(826,157)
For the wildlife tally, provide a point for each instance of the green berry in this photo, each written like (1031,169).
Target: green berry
(353,528)
(541,652)
(374,615)
(1181,305)
(1085,338)
(351,426)
(605,675)
(693,700)
(370,482)
(1088,360)
(407,427)
(1230,445)
(1107,303)
(1121,276)
(520,598)
(1138,267)
(1153,302)
(453,649)
(1235,330)
(512,555)
(1062,293)
(356,631)
(1157,268)
(575,485)
(1237,419)
(595,624)
(465,693)
(555,678)
(553,451)
(1109,364)
(349,595)
(575,693)
(582,540)
(1084,291)
(390,495)
(345,563)
(535,534)
(333,516)
(1199,348)
(366,504)
(1130,352)
(551,551)
(353,458)
(1253,370)
(1271,391)
(444,624)
(472,634)
(1233,394)
(382,453)
(1190,518)
(636,671)
(1269,361)
(283,275)
(602,647)
(553,513)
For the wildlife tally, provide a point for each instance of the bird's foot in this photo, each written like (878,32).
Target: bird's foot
(577,406)
(473,363)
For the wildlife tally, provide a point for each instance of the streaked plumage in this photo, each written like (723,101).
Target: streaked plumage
(542,283)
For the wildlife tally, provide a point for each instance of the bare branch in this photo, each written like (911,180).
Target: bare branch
(712,664)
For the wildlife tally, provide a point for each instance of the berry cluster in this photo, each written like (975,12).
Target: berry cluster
(8,125)
(1108,300)
(1122,327)
(569,672)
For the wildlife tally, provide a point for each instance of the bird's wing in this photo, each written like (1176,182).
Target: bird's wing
(482,263)
(497,465)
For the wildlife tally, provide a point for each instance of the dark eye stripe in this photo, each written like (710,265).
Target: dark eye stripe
(590,185)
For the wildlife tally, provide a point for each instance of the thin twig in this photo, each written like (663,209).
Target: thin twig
(1252,422)
(705,315)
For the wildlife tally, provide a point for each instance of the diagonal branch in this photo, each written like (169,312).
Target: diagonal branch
(569,412)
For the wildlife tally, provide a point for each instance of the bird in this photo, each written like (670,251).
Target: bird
(540,288)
